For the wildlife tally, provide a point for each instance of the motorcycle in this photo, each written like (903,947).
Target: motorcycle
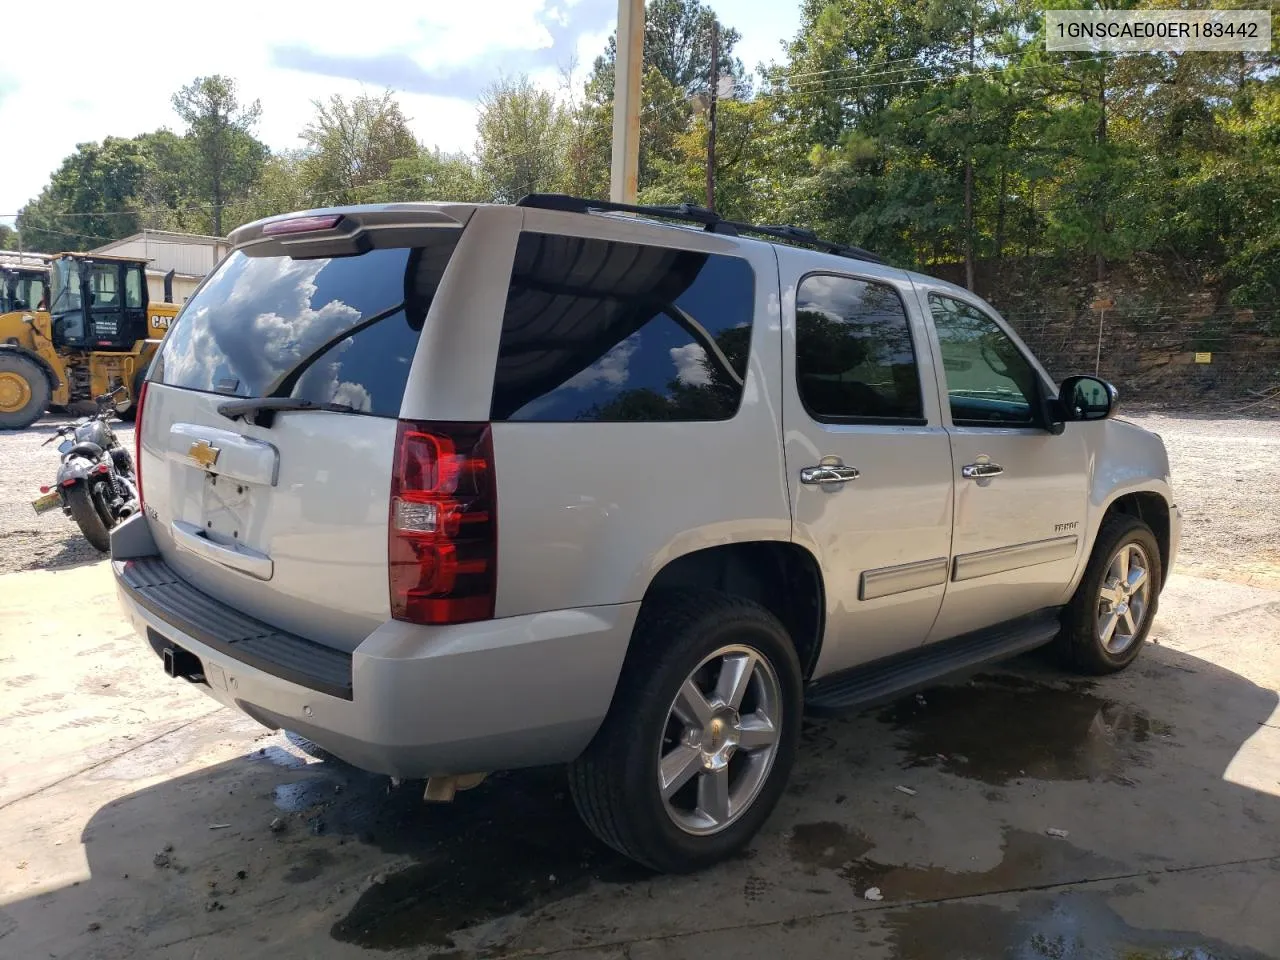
(96,485)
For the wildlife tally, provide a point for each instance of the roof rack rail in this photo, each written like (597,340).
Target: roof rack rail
(709,219)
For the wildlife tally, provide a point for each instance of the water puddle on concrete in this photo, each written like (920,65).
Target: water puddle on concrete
(511,845)
(278,756)
(1069,926)
(826,844)
(1028,860)
(1001,728)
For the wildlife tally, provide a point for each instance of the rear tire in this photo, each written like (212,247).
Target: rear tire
(1108,619)
(24,391)
(85,513)
(731,764)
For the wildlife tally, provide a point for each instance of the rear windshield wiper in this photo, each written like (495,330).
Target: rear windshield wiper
(260,410)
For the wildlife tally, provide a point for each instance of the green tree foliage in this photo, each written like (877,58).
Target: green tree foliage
(353,146)
(521,139)
(677,43)
(88,200)
(932,131)
(227,157)
(8,237)
(280,189)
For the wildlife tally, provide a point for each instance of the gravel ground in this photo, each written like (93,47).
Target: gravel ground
(1226,478)
(28,540)
(1226,474)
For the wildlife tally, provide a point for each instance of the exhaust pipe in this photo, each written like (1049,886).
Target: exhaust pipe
(168,286)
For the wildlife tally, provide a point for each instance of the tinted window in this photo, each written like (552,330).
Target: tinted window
(988,378)
(102,284)
(854,356)
(133,287)
(66,286)
(598,330)
(340,330)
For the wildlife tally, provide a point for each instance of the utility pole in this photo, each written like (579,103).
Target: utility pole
(714,83)
(626,102)
(968,170)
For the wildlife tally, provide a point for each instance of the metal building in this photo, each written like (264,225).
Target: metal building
(190,256)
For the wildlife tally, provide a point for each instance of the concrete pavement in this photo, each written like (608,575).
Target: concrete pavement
(136,819)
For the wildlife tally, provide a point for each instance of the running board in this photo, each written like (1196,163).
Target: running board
(901,673)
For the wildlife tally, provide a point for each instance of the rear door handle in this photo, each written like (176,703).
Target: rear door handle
(981,471)
(828,473)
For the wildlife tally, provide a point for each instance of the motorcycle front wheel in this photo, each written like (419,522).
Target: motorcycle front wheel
(85,513)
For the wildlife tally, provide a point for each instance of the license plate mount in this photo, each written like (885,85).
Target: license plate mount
(47,502)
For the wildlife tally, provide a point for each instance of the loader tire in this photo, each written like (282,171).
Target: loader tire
(24,391)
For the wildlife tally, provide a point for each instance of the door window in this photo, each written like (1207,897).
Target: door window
(102,285)
(854,357)
(989,381)
(133,288)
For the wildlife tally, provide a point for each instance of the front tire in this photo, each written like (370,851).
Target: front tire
(24,391)
(131,413)
(85,513)
(701,735)
(1110,615)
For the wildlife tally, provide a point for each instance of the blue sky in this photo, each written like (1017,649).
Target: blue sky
(437,55)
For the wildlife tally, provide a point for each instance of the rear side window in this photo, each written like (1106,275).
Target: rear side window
(596,330)
(340,330)
(854,357)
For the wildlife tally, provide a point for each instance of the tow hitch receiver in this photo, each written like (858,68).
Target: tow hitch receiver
(182,663)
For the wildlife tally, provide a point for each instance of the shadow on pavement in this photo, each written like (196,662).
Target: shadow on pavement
(351,861)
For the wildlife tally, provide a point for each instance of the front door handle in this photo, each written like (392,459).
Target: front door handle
(981,471)
(828,473)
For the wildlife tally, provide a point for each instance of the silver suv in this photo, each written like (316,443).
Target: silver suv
(456,488)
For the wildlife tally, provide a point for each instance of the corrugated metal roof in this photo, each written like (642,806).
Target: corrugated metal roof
(25,261)
(167,235)
(188,253)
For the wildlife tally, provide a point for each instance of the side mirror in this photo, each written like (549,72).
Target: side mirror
(1086,398)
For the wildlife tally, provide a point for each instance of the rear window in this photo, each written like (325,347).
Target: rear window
(340,330)
(598,330)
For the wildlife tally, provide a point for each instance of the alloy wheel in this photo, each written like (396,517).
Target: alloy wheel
(1124,598)
(720,740)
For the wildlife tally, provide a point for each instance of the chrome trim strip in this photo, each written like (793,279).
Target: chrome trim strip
(886,581)
(983,564)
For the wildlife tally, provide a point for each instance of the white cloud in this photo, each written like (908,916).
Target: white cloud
(690,368)
(610,369)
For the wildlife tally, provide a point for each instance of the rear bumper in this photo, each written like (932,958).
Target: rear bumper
(421,701)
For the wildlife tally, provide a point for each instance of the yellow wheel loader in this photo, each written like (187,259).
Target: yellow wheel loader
(95,333)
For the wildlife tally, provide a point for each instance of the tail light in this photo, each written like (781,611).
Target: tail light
(137,437)
(442,538)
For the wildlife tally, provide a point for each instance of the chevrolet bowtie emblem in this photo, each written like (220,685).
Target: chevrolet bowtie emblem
(204,453)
